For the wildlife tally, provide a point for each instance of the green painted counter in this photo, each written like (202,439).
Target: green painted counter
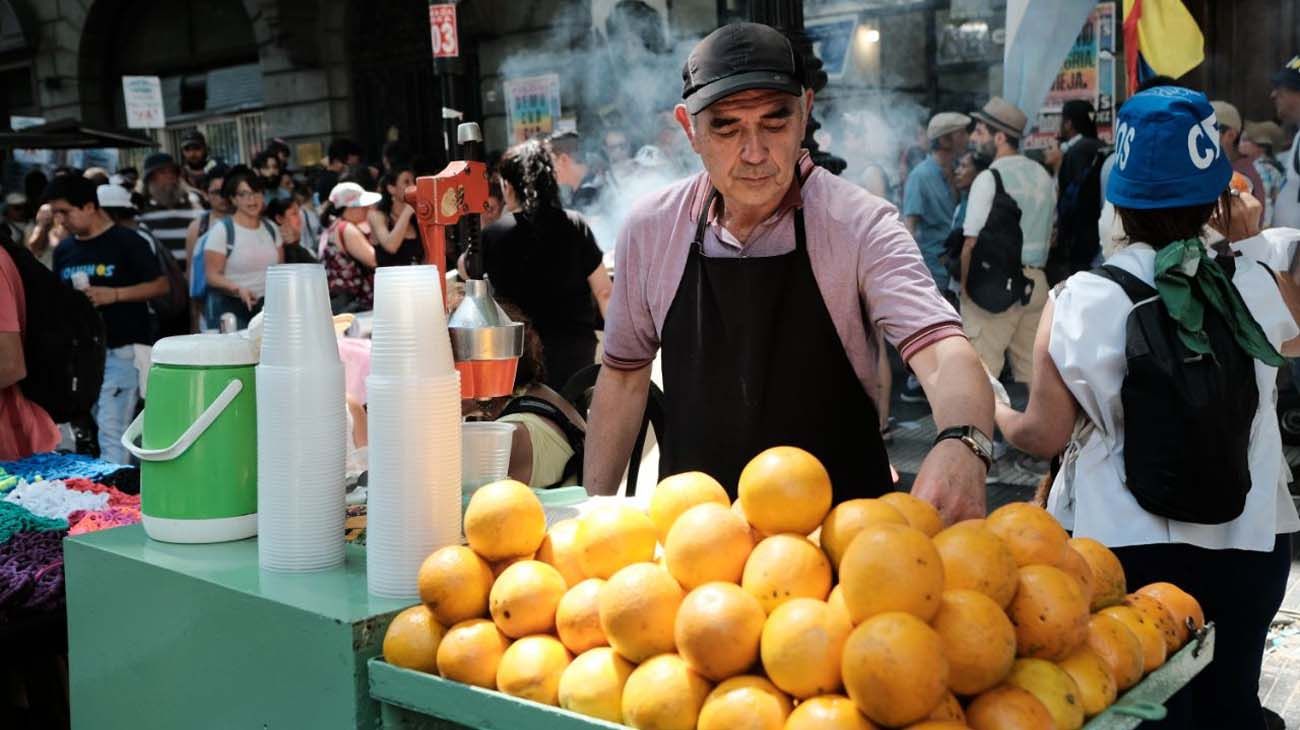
(196,637)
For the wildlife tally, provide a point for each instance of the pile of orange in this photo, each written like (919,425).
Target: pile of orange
(780,612)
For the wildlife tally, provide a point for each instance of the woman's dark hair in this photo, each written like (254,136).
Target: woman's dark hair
(278,207)
(529,169)
(241,174)
(260,160)
(532,367)
(75,189)
(1161,227)
(385,204)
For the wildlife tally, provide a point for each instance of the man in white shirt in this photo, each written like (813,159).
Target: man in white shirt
(998,129)
(1286,98)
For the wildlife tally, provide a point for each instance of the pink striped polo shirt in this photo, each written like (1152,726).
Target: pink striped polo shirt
(868,268)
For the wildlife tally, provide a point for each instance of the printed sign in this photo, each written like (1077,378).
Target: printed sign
(446,37)
(144,103)
(1089,74)
(532,106)
(832,39)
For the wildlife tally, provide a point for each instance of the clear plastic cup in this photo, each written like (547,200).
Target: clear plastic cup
(409,335)
(485,453)
(298,327)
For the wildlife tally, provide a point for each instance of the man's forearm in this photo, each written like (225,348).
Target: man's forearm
(617,408)
(143,292)
(955,383)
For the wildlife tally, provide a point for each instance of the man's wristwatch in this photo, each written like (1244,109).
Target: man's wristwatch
(973,438)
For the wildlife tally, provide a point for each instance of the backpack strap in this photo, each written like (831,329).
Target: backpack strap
(270,230)
(228,223)
(575,435)
(1136,289)
(997,180)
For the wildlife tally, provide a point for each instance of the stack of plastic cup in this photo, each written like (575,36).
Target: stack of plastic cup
(485,453)
(413,395)
(301,425)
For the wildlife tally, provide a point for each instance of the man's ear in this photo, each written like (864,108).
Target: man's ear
(684,119)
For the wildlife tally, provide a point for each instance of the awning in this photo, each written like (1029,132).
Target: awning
(69,134)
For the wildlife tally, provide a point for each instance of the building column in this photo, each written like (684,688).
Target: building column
(787,17)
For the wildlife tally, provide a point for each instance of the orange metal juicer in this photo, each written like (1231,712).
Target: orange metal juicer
(485,343)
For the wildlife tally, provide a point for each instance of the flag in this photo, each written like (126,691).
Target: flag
(1160,38)
(1040,35)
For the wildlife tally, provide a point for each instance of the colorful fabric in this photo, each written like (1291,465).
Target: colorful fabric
(1160,38)
(15,518)
(83,522)
(54,465)
(52,500)
(31,573)
(116,497)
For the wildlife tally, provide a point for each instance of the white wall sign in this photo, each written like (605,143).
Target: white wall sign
(144,104)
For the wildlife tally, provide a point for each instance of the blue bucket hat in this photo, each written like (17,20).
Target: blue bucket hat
(1167,152)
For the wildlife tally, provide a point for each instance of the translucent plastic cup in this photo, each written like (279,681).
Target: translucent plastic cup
(485,453)
(409,335)
(298,327)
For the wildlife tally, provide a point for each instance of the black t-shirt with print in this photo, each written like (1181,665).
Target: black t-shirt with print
(117,257)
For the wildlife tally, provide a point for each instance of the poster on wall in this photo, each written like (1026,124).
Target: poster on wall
(532,106)
(1088,73)
(832,39)
(144,103)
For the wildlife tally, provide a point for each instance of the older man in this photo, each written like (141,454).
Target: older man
(929,197)
(763,279)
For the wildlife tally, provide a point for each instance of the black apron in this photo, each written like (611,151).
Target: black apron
(751,360)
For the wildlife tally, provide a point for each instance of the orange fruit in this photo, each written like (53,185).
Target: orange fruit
(978,641)
(531,669)
(611,537)
(1155,612)
(471,652)
(1053,687)
(1154,649)
(782,567)
(1091,673)
(707,543)
(975,558)
(891,568)
(1032,534)
(1108,584)
(894,668)
(1119,647)
(785,489)
(454,583)
(1050,613)
(577,617)
(847,519)
(499,566)
(504,520)
(1008,708)
(938,725)
(524,598)
(1077,568)
(680,492)
(828,712)
(717,630)
(948,710)
(412,640)
(559,549)
(592,684)
(837,605)
(745,702)
(638,608)
(664,694)
(1184,609)
(919,513)
(802,645)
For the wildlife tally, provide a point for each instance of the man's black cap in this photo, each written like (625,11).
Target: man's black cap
(1289,75)
(738,57)
(193,138)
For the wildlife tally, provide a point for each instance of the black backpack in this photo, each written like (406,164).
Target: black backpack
(1077,239)
(574,434)
(177,298)
(996,278)
(64,343)
(1187,416)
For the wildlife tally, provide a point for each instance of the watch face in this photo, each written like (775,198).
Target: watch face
(981,440)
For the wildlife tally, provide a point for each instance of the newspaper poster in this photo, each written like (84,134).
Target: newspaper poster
(532,106)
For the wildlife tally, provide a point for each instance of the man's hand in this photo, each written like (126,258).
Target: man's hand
(101,296)
(247,297)
(952,479)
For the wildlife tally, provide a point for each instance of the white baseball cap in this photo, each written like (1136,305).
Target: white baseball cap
(114,196)
(352,195)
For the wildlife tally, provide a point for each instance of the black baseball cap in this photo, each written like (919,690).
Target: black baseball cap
(1289,75)
(193,138)
(739,57)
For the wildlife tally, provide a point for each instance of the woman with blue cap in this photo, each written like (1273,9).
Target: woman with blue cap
(1154,379)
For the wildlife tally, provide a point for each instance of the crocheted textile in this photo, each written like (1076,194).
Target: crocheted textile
(53,500)
(53,465)
(83,522)
(126,479)
(15,518)
(116,497)
(31,573)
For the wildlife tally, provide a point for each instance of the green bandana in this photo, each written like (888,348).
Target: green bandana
(1188,279)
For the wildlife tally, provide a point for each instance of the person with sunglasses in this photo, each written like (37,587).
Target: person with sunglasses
(237,253)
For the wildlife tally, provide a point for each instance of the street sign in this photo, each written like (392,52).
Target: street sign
(442,24)
(144,104)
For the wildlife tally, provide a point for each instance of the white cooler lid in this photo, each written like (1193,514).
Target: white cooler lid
(209,349)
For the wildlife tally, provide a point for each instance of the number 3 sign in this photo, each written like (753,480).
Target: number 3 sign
(442,24)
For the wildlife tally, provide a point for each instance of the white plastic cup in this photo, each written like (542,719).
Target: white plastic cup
(485,453)
(298,327)
(409,336)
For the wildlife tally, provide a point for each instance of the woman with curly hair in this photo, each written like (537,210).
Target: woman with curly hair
(545,259)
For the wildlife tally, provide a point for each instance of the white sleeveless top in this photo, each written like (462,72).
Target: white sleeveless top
(1087,345)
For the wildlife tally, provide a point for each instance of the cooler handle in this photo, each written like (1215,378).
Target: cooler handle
(187,439)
